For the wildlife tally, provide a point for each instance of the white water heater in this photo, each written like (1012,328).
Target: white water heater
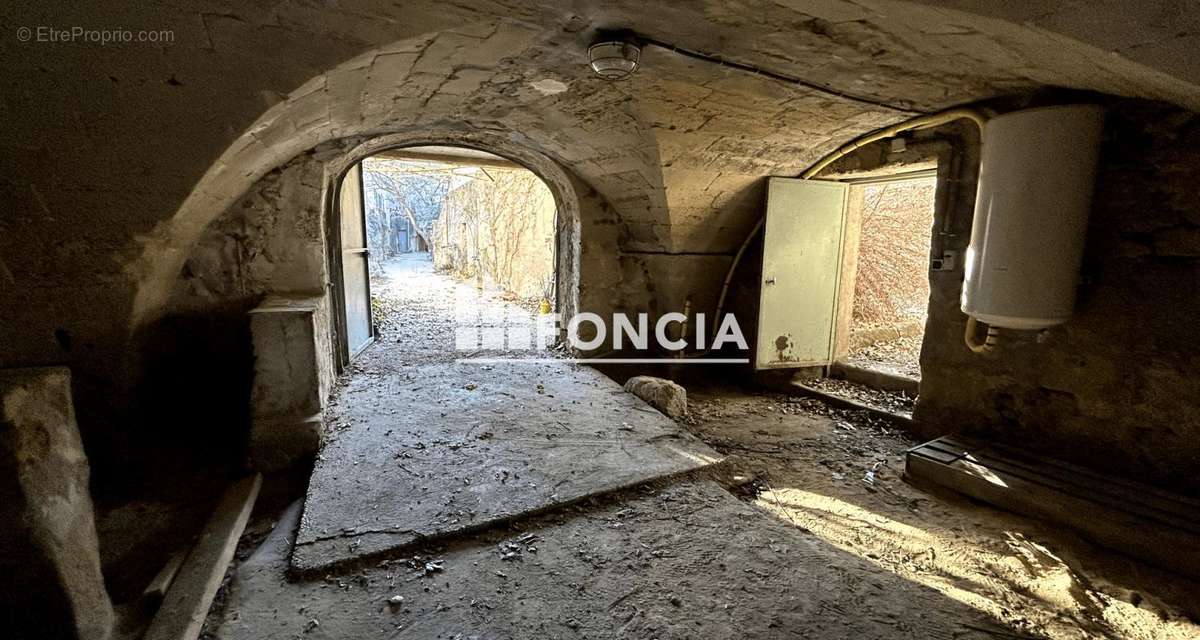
(1031,210)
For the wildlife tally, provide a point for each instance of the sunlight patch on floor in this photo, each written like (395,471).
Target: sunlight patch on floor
(1017,581)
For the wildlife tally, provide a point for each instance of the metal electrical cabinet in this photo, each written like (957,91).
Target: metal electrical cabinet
(802,261)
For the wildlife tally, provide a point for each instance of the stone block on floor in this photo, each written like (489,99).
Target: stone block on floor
(664,395)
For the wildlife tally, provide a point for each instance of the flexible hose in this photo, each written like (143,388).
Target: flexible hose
(737,257)
(970,336)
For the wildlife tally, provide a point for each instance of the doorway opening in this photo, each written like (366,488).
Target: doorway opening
(891,277)
(845,289)
(454,416)
(440,244)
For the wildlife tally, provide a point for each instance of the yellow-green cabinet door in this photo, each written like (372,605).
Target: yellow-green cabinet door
(801,269)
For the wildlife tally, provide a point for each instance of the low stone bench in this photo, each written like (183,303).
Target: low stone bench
(293,373)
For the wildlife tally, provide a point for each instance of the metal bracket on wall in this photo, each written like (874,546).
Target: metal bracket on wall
(947,262)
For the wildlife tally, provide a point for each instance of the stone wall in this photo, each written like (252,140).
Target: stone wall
(121,156)
(198,356)
(272,242)
(500,224)
(1114,387)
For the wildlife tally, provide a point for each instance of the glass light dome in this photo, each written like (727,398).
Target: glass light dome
(614,60)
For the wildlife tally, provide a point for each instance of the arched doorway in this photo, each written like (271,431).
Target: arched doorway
(404,213)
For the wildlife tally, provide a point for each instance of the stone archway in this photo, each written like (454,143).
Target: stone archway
(566,199)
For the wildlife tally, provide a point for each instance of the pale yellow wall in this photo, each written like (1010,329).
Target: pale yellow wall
(500,223)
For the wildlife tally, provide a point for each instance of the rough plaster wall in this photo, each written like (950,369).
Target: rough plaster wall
(503,223)
(1114,387)
(119,157)
(197,355)
(602,283)
(1162,35)
(453,71)
(271,241)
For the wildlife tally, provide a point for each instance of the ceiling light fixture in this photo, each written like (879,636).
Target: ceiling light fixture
(614,56)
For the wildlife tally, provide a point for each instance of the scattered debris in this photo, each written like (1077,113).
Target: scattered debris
(862,394)
(869,476)
(901,356)
(511,550)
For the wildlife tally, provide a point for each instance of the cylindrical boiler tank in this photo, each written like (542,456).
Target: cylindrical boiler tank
(1031,209)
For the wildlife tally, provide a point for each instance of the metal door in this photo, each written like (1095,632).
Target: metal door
(802,263)
(356,283)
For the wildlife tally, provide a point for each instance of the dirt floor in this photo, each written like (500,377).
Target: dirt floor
(416,312)
(827,541)
(807,531)
(837,475)
(890,401)
(901,356)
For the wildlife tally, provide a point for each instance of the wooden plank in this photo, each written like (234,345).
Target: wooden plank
(157,589)
(1103,511)
(191,593)
(944,457)
(1142,491)
(452,158)
(1086,484)
(1143,500)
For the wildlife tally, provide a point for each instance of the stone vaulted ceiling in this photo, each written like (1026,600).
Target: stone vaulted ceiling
(144,145)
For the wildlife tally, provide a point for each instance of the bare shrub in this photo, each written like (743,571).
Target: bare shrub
(892,286)
(500,226)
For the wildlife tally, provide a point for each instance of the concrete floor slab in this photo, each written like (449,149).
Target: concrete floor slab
(466,446)
(425,445)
